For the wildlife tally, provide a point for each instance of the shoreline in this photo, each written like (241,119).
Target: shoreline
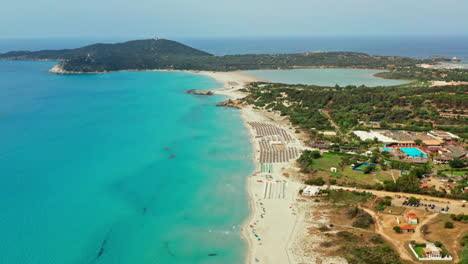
(275,225)
(231,83)
(57,69)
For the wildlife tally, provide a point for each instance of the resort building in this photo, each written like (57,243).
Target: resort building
(447,153)
(443,135)
(431,251)
(411,218)
(320,144)
(371,135)
(441,160)
(454,152)
(400,138)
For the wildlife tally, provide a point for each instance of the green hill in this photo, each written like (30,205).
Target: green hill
(148,47)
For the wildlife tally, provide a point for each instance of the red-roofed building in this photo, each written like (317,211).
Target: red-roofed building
(411,218)
(406,228)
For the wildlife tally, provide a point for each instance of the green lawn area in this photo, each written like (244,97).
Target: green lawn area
(419,251)
(456,173)
(329,160)
(362,167)
(464,255)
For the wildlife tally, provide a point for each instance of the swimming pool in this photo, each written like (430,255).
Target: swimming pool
(386,149)
(414,152)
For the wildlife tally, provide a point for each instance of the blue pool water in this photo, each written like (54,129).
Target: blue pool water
(385,149)
(413,152)
(118,168)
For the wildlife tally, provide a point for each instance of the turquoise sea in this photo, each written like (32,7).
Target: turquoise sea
(118,168)
(324,77)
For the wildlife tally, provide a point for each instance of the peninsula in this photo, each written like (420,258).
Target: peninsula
(162,54)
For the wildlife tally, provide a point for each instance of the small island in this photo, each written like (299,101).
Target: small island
(199,92)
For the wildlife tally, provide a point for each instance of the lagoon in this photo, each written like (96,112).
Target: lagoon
(324,77)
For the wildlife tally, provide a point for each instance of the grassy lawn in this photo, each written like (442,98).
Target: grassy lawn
(329,160)
(362,167)
(419,251)
(464,255)
(456,173)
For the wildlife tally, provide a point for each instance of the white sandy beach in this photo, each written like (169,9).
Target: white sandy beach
(276,225)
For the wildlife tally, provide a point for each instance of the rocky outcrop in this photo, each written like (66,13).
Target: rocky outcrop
(231,103)
(199,92)
(58,69)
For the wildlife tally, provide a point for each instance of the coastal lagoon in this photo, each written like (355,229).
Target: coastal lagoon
(324,77)
(119,168)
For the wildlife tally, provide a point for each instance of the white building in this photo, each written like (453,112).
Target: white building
(311,190)
(364,135)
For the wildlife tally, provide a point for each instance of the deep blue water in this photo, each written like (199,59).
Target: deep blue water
(118,168)
(408,46)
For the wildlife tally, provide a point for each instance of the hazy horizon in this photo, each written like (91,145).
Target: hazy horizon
(242,18)
(406,46)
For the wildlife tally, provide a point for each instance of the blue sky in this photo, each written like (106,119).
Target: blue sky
(233,18)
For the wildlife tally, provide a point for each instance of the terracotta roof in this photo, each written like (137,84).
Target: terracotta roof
(406,227)
(432,142)
(411,215)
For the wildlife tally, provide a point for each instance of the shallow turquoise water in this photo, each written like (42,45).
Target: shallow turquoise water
(118,168)
(413,152)
(324,77)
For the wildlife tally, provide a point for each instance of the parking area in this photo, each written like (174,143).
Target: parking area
(430,205)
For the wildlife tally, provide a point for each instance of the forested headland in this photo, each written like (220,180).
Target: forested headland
(166,54)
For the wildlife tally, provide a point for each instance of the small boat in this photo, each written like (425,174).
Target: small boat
(212,254)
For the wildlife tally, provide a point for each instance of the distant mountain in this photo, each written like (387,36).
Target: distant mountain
(166,54)
(147,47)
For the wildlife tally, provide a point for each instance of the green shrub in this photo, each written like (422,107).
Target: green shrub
(347,236)
(413,200)
(376,239)
(382,254)
(449,225)
(319,181)
(324,229)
